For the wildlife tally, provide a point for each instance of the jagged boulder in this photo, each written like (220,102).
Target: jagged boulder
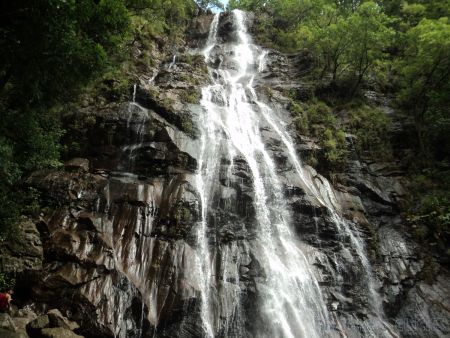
(23,253)
(6,322)
(12,334)
(77,164)
(58,332)
(35,327)
(58,320)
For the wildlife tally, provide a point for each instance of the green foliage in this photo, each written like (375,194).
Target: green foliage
(205,4)
(429,211)
(50,49)
(181,213)
(32,152)
(371,126)
(188,126)
(316,119)
(334,145)
(44,42)
(425,77)
(348,46)
(412,13)
(171,11)
(6,282)
(430,269)
(279,19)
(9,170)
(16,201)
(348,37)
(10,210)
(191,59)
(76,140)
(165,17)
(191,95)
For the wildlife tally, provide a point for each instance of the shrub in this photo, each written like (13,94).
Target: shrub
(316,119)
(6,282)
(429,212)
(371,127)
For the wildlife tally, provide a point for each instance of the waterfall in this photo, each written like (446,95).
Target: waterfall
(172,64)
(136,131)
(290,299)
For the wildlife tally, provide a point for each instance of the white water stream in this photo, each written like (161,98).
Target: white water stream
(290,300)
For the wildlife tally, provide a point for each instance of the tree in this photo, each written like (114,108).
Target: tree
(348,46)
(425,74)
(286,13)
(370,36)
(49,50)
(51,47)
(205,4)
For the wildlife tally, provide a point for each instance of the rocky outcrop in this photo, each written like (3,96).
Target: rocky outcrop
(22,254)
(425,311)
(25,323)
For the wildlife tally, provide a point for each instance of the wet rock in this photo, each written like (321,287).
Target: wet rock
(199,30)
(34,327)
(67,187)
(6,322)
(11,334)
(426,310)
(23,253)
(77,164)
(91,294)
(398,256)
(58,333)
(132,138)
(23,316)
(58,320)
(226,27)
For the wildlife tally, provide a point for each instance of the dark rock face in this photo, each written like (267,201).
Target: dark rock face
(34,327)
(6,322)
(425,311)
(115,251)
(58,332)
(22,254)
(198,31)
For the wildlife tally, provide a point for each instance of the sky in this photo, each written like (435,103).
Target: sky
(224,2)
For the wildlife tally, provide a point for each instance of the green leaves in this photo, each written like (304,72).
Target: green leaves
(6,282)
(348,37)
(50,49)
(371,126)
(348,46)
(425,78)
(53,47)
(316,119)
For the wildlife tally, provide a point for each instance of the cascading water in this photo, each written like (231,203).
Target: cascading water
(289,301)
(136,130)
(290,297)
(172,64)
